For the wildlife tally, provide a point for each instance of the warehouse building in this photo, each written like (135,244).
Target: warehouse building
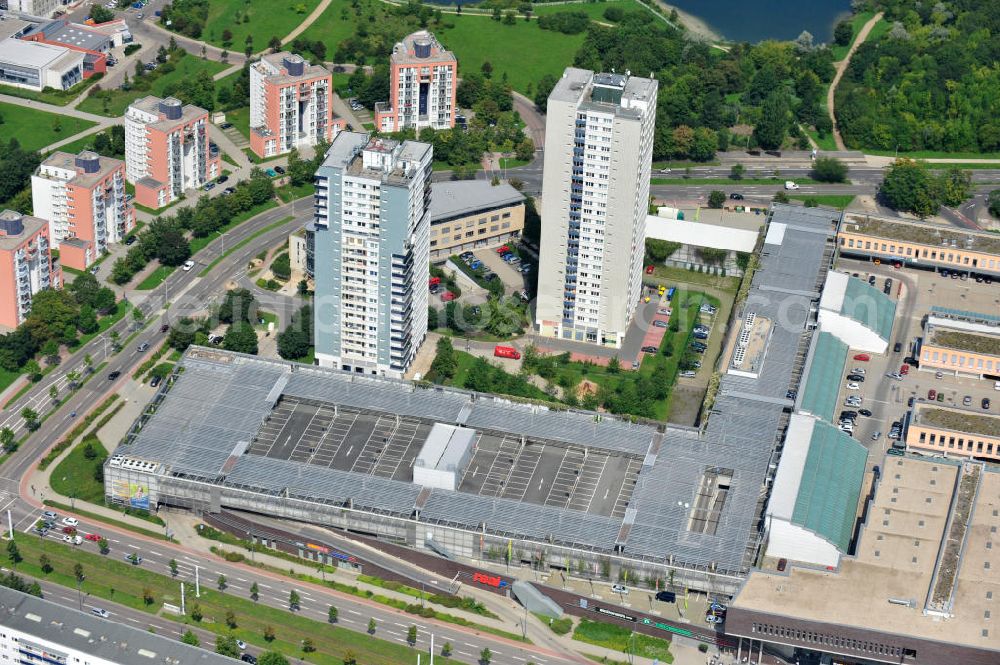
(856,313)
(920,589)
(577,490)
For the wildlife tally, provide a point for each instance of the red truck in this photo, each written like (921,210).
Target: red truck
(506,352)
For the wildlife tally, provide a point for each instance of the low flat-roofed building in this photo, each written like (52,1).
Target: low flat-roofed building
(965,343)
(724,234)
(954,431)
(36,66)
(920,588)
(824,370)
(469,214)
(814,502)
(921,244)
(12,26)
(859,315)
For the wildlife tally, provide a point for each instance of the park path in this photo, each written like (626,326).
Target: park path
(841,68)
(309,20)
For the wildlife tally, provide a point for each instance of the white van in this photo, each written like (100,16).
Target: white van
(996,385)
(790,185)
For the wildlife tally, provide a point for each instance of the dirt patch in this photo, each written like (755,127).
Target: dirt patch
(586,387)
(685,403)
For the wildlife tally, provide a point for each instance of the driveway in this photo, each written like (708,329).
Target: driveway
(512,279)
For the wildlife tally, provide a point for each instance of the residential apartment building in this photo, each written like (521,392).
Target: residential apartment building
(371,253)
(167,150)
(83,199)
(595,196)
(39,8)
(960,342)
(291,105)
(423,81)
(920,244)
(470,214)
(37,66)
(42,631)
(25,265)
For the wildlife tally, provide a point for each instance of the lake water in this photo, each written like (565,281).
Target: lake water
(756,20)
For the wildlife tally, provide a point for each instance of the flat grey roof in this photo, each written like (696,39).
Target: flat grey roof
(75,34)
(110,640)
(459,198)
(30,54)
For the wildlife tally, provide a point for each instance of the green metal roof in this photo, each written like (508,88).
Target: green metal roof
(827,502)
(820,395)
(869,306)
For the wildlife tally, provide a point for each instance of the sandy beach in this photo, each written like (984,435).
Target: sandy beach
(694,25)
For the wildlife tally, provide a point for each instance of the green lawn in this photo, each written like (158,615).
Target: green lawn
(622,640)
(523,51)
(241,120)
(74,476)
(243,242)
(857,21)
(83,143)
(595,10)
(155,278)
(110,578)
(50,96)
(198,244)
(289,193)
(7,378)
(839,201)
(512,162)
(106,322)
(935,154)
(36,129)
(187,67)
(262,19)
(335,25)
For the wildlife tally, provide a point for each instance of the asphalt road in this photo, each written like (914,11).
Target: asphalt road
(274,590)
(186,292)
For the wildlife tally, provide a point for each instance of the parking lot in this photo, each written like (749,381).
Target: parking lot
(888,399)
(553,475)
(326,435)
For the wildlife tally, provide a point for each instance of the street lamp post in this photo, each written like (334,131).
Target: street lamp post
(79,593)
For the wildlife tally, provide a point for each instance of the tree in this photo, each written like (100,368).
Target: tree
(30,418)
(780,197)
(227,37)
(54,393)
(736,172)
(101,14)
(231,619)
(954,186)
(446,649)
(372,626)
(308,646)
(73,379)
(268,633)
(843,32)
(542,91)
(773,124)
(274,44)
(138,316)
(221,582)
(445,362)
(196,614)
(173,568)
(238,305)
(45,563)
(614,365)
(829,169)
(78,572)
(33,370)
(716,199)
(102,545)
(993,202)
(659,251)
(226,645)
(254,592)
(7,440)
(88,363)
(240,337)
(485,656)
(351,658)
(293,600)
(147,596)
(272,658)
(87,322)
(190,638)
(331,615)
(908,187)
(411,635)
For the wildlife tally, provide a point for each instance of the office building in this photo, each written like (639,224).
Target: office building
(961,342)
(371,257)
(37,66)
(25,265)
(94,45)
(423,81)
(83,199)
(291,105)
(920,245)
(39,8)
(595,197)
(42,631)
(167,150)
(471,214)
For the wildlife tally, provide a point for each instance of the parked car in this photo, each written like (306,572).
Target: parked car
(208,186)
(904,369)
(856,377)
(666,596)
(782,564)
(662,324)
(70,521)
(49,515)
(967,400)
(226,125)
(447,296)
(133,558)
(986,403)
(649,349)
(619,588)
(271,173)
(932,394)
(859,370)
(689,374)
(155,381)
(853,386)
(249,658)
(862,357)
(897,347)
(221,179)
(887,286)
(865,412)
(871,280)
(790,185)
(506,352)
(93,537)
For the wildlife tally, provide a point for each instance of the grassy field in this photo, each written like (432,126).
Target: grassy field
(839,201)
(155,278)
(74,476)
(7,378)
(336,24)
(55,97)
(187,67)
(262,19)
(936,154)
(111,579)
(857,21)
(82,143)
(198,244)
(36,129)
(595,10)
(622,640)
